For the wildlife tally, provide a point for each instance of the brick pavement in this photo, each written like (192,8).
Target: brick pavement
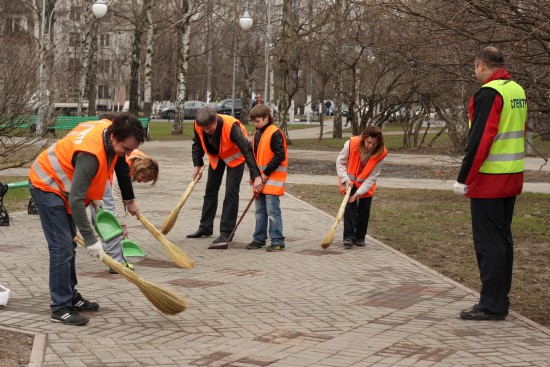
(302,307)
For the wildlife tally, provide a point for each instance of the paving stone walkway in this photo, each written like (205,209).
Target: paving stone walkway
(302,307)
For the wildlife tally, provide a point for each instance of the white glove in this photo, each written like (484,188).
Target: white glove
(96,250)
(459,188)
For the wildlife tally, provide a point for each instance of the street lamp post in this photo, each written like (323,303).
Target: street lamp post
(99,9)
(246,23)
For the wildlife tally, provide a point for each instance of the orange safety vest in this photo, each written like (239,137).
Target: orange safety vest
(354,164)
(275,183)
(53,170)
(228,151)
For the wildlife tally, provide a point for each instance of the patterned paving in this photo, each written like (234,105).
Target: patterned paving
(301,307)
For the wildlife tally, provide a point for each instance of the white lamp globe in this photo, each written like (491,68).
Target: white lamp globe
(246,21)
(99,9)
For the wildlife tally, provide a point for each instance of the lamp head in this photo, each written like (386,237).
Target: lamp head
(99,9)
(246,21)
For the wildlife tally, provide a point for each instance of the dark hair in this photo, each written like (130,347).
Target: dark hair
(206,116)
(125,125)
(491,57)
(262,111)
(375,133)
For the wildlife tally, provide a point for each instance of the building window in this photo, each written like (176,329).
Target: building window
(74,39)
(104,40)
(104,67)
(103,91)
(75,13)
(13,25)
(74,65)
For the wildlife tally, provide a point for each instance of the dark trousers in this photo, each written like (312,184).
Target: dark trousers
(356,219)
(230,208)
(491,227)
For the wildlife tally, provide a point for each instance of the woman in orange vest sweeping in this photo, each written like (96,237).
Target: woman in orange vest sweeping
(223,139)
(64,179)
(269,147)
(359,164)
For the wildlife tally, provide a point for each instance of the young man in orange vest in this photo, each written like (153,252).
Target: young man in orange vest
(359,164)
(64,179)
(223,139)
(269,147)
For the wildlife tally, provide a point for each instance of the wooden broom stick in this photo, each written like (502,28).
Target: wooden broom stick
(330,235)
(165,300)
(173,216)
(177,255)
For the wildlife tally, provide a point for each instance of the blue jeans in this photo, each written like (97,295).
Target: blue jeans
(268,210)
(59,229)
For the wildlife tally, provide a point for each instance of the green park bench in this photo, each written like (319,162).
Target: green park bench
(64,123)
(68,123)
(19,122)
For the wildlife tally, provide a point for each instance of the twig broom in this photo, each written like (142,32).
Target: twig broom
(173,216)
(165,300)
(330,235)
(177,255)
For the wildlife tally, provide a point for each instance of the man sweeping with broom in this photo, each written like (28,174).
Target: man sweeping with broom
(63,180)
(223,139)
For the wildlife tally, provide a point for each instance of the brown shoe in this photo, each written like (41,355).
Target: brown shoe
(218,246)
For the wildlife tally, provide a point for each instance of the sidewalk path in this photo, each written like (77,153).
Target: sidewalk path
(301,307)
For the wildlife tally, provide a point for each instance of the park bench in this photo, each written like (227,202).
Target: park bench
(66,123)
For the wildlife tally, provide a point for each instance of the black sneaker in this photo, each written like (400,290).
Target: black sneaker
(81,304)
(69,316)
(477,314)
(348,242)
(360,243)
(254,245)
(274,248)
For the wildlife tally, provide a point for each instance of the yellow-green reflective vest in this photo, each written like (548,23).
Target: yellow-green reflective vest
(507,151)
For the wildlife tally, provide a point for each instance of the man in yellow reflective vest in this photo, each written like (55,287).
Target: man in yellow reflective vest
(491,175)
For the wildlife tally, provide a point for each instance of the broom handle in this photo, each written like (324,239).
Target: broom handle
(186,193)
(242,216)
(190,188)
(342,208)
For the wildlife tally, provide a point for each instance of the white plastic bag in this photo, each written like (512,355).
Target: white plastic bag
(4,295)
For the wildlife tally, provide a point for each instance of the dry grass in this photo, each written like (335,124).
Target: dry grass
(433,227)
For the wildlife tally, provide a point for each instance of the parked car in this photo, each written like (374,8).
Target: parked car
(189,110)
(224,107)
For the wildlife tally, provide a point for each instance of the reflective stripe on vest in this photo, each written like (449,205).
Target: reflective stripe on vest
(52,171)
(228,151)
(507,151)
(354,164)
(263,154)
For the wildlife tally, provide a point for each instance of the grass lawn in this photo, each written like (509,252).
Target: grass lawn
(433,227)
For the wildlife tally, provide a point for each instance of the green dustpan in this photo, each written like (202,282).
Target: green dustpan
(130,248)
(107,225)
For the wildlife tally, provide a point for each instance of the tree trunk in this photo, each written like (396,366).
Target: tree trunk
(91,72)
(134,72)
(86,57)
(183,32)
(147,103)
